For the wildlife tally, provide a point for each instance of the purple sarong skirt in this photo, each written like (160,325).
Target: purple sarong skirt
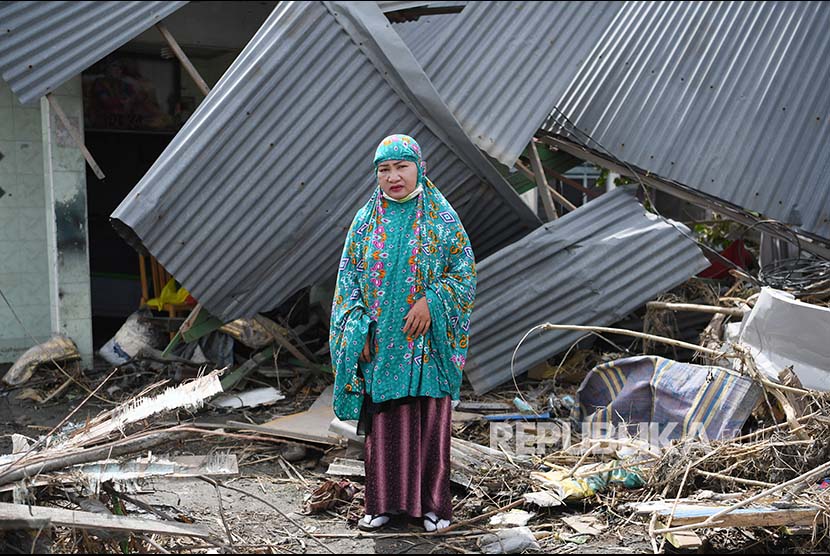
(407,457)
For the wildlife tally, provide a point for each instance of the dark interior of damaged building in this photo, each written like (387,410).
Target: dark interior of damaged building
(647,369)
(134,101)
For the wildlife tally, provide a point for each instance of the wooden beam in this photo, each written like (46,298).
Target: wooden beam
(35,515)
(689,195)
(573,183)
(562,200)
(183,59)
(536,162)
(76,135)
(280,336)
(145,291)
(690,307)
(744,517)
(542,183)
(684,540)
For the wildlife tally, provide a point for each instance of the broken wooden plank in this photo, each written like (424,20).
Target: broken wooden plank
(542,181)
(309,426)
(76,135)
(96,522)
(266,395)
(281,336)
(684,540)
(179,467)
(183,59)
(48,461)
(463,417)
(762,516)
(190,395)
(36,523)
(485,406)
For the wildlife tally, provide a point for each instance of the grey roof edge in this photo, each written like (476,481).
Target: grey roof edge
(372,32)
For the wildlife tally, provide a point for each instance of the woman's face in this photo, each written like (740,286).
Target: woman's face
(397,178)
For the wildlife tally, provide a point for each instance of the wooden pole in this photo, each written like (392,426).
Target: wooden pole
(542,183)
(691,307)
(76,135)
(539,170)
(183,59)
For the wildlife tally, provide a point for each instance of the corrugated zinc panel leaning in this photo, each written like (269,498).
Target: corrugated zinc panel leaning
(591,267)
(729,98)
(252,199)
(43,44)
(501,66)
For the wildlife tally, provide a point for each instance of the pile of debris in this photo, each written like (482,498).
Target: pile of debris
(600,448)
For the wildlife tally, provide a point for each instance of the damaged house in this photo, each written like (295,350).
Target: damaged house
(167,155)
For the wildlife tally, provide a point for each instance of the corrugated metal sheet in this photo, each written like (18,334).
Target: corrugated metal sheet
(422,34)
(501,66)
(43,44)
(252,199)
(730,98)
(591,267)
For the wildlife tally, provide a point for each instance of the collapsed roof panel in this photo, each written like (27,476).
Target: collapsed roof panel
(727,98)
(252,199)
(43,44)
(501,66)
(591,267)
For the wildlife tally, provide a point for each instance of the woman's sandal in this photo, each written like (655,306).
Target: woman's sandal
(432,522)
(373,522)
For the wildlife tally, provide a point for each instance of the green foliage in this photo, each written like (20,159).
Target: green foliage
(715,233)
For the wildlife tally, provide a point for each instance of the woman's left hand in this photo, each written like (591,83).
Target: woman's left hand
(417,319)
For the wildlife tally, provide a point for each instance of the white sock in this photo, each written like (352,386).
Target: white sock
(375,521)
(432,523)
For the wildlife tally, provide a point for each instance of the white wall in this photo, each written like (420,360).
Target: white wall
(24,272)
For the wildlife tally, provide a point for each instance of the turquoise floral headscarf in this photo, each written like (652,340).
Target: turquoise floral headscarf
(394,254)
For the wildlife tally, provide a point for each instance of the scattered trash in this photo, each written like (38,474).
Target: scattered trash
(782,331)
(509,541)
(134,335)
(516,518)
(588,480)
(58,349)
(661,400)
(251,398)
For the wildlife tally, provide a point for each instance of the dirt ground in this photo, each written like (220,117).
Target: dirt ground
(258,524)
(273,519)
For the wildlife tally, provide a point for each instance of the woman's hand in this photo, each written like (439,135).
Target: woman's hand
(366,354)
(417,319)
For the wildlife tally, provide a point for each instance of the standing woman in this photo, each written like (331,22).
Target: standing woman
(399,334)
